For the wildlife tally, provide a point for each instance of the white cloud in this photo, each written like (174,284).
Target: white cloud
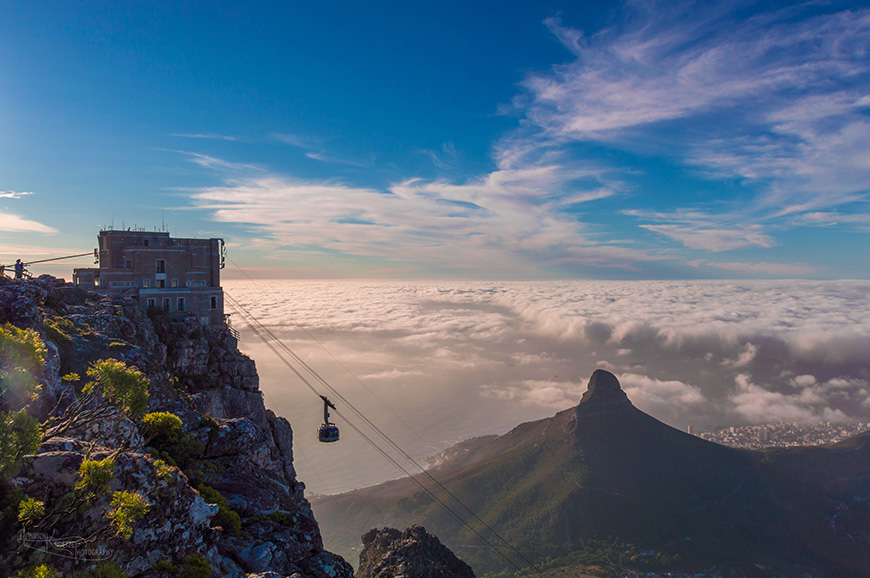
(391,374)
(509,220)
(759,405)
(776,98)
(713,240)
(456,359)
(13,194)
(15,224)
(660,396)
(211,136)
(744,358)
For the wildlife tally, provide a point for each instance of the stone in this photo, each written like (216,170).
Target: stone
(414,553)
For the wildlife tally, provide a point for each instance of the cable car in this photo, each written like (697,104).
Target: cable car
(327,432)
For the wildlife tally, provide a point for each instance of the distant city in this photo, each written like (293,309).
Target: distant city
(783,434)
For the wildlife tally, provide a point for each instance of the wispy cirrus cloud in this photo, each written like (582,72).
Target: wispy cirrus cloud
(210,136)
(15,224)
(777,98)
(507,219)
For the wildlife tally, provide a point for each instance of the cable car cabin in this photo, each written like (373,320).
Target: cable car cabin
(327,432)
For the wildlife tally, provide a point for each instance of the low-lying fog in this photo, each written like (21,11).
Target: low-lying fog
(432,363)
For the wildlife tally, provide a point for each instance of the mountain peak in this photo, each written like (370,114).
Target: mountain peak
(603,395)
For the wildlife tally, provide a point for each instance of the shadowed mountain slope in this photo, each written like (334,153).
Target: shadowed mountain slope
(606,469)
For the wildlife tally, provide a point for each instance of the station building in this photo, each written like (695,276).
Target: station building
(176,275)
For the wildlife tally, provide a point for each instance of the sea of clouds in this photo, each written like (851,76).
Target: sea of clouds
(436,362)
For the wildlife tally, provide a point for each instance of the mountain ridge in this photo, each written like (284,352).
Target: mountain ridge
(605,468)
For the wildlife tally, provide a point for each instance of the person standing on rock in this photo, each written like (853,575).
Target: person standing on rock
(19,269)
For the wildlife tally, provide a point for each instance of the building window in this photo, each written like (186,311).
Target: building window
(146,283)
(152,303)
(213,302)
(181,303)
(175,283)
(161,266)
(146,242)
(161,283)
(128,264)
(166,304)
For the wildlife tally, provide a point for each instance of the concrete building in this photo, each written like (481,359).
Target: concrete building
(176,275)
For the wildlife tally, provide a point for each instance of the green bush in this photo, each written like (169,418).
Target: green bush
(21,348)
(282,518)
(30,510)
(41,571)
(95,475)
(165,567)
(164,431)
(59,330)
(105,569)
(226,517)
(127,509)
(124,386)
(192,566)
(22,354)
(195,566)
(20,435)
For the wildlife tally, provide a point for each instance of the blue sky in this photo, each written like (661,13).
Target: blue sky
(637,140)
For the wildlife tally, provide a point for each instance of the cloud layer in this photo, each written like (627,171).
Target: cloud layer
(459,359)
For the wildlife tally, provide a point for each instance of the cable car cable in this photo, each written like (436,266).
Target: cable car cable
(252,320)
(339,362)
(257,331)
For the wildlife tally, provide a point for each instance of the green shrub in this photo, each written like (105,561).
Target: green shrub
(124,386)
(95,475)
(22,354)
(165,432)
(127,508)
(41,571)
(59,329)
(30,510)
(117,345)
(195,566)
(20,435)
(21,348)
(226,517)
(105,569)
(282,518)
(192,566)
(209,422)
(165,568)
(164,471)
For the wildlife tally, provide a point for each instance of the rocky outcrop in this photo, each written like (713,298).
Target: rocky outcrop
(414,553)
(603,396)
(238,452)
(176,524)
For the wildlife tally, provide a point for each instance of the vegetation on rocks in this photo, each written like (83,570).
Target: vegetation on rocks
(125,440)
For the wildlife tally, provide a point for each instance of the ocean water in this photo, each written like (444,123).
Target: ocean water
(431,363)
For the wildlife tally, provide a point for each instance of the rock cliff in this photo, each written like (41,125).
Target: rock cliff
(221,491)
(413,553)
